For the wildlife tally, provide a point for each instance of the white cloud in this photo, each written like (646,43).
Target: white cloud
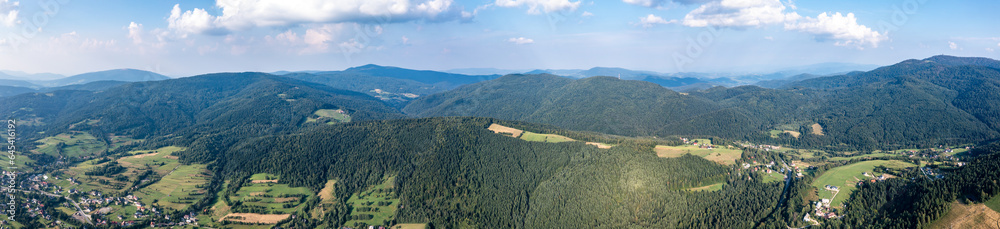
(989,49)
(546,5)
(520,40)
(659,3)
(8,13)
(646,3)
(405,40)
(193,21)
(653,20)
(770,38)
(845,30)
(135,32)
(587,14)
(245,14)
(998,44)
(739,13)
(952,45)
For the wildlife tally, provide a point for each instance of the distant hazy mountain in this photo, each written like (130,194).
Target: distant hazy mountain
(127,75)
(484,71)
(559,72)
(18,83)
(7,74)
(249,103)
(396,86)
(11,90)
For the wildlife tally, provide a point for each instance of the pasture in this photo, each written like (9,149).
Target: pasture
(376,205)
(967,216)
(846,178)
(550,138)
(71,144)
(329,116)
(273,197)
(709,188)
(719,155)
(994,204)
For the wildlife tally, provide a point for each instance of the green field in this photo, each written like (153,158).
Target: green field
(710,188)
(846,177)
(871,155)
(774,176)
(551,138)
(379,201)
(72,144)
(273,197)
(329,116)
(994,203)
(721,155)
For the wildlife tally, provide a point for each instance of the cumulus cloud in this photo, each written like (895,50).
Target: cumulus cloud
(845,30)
(8,13)
(520,40)
(587,14)
(135,32)
(545,5)
(658,3)
(739,13)
(653,20)
(245,14)
(952,45)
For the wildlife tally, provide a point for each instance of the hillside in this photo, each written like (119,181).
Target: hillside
(127,75)
(602,104)
(252,103)
(912,103)
(394,85)
(453,171)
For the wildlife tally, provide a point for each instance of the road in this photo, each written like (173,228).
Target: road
(79,211)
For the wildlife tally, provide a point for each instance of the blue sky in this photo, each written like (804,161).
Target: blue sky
(182,38)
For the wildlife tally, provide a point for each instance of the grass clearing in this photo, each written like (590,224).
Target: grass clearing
(774,176)
(376,205)
(871,155)
(967,216)
(550,138)
(409,226)
(505,130)
(817,129)
(255,218)
(71,144)
(326,194)
(993,204)
(719,155)
(271,197)
(846,178)
(709,188)
(329,116)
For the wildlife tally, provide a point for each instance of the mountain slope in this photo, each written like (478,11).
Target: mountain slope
(250,103)
(602,104)
(127,75)
(396,86)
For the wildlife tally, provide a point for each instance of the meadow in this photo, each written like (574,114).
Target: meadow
(846,178)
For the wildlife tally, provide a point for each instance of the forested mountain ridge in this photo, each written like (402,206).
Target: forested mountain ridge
(128,75)
(601,104)
(912,103)
(397,86)
(248,102)
(453,171)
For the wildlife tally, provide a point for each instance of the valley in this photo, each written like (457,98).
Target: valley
(255,150)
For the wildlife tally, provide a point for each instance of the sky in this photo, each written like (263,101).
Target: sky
(183,38)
